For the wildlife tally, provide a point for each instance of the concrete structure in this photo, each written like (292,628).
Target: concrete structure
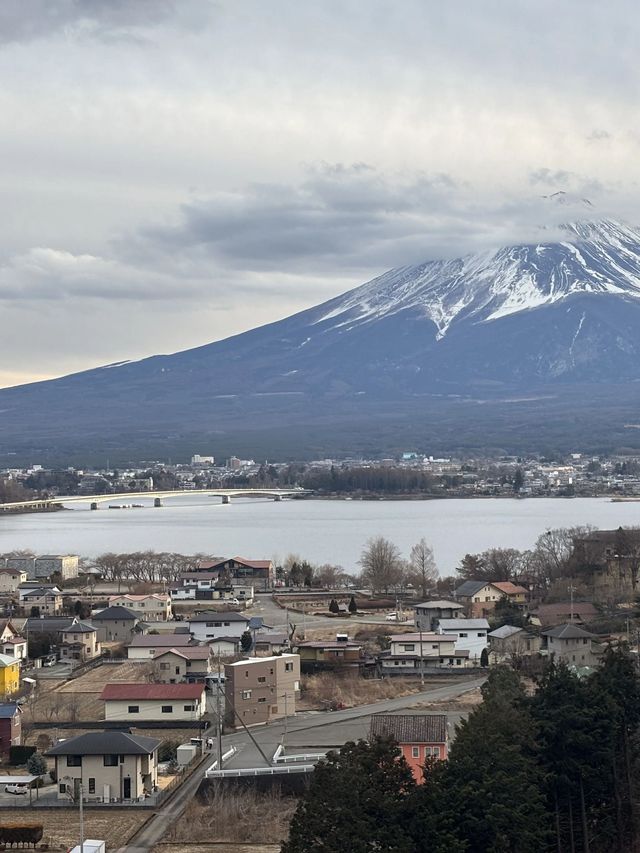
(9,676)
(429,613)
(10,579)
(79,643)
(509,641)
(10,727)
(154,607)
(409,652)
(115,625)
(111,766)
(64,565)
(421,737)
(472,635)
(144,647)
(258,690)
(211,625)
(189,663)
(571,644)
(144,702)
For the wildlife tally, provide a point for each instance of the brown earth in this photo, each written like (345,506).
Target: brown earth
(61,826)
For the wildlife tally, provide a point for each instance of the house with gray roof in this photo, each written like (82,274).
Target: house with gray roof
(116,625)
(429,613)
(111,766)
(571,644)
(511,640)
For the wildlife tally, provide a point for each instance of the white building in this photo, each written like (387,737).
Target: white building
(154,607)
(211,625)
(146,646)
(409,652)
(154,702)
(471,633)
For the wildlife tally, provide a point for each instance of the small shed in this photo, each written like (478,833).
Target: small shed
(186,753)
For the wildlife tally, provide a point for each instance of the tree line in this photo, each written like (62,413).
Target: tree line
(552,771)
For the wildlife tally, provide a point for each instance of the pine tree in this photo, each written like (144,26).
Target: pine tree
(353,607)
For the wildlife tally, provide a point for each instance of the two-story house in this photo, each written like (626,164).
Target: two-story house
(261,689)
(429,613)
(188,663)
(211,625)
(10,579)
(258,573)
(511,640)
(409,654)
(421,737)
(110,766)
(571,644)
(153,607)
(471,634)
(10,727)
(79,643)
(145,646)
(339,654)
(153,702)
(41,601)
(481,597)
(115,625)
(9,676)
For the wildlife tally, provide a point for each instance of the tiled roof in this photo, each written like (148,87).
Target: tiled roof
(426,638)
(410,728)
(112,692)
(106,743)
(510,588)
(187,652)
(164,641)
(567,632)
(469,588)
(441,604)
(114,612)
(464,624)
(8,710)
(221,616)
(504,632)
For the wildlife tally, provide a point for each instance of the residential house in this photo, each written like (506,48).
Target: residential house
(145,646)
(576,612)
(258,690)
(10,727)
(42,600)
(186,663)
(271,643)
(319,655)
(22,564)
(14,647)
(153,607)
(224,647)
(80,643)
(511,640)
(209,586)
(571,644)
(210,625)
(516,594)
(65,566)
(421,737)
(54,626)
(9,675)
(260,573)
(10,580)
(480,597)
(115,625)
(472,635)
(153,702)
(408,654)
(110,766)
(429,613)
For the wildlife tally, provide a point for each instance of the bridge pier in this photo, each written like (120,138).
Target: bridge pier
(157,502)
(277,497)
(94,505)
(226,499)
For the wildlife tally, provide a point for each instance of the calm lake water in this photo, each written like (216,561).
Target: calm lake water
(319,530)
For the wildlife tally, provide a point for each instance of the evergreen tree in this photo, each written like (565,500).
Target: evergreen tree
(484,657)
(353,607)
(246,641)
(357,801)
(334,607)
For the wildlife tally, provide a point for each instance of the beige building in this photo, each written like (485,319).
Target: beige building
(509,641)
(571,644)
(79,643)
(64,565)
(48,602)
(115,625)
(154,607)
(10,579)
(110,766)
(258,690)
(145,646)
(165,702)
(189,663)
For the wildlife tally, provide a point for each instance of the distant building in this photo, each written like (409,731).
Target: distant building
(258,690)
(144,647)
(471,633)
(259,573)
(80,643)
(512,640)
(184,663)
(111,766)
(64,565)
(429,613)
(155,702)
(571,644)
(211,625)
(47,602)
(577,612)
(481,597)
(338,654)
(409,653)
(10,579)
(9,676)
(115,625)
(196,459)
(10,727)
(421,737)
(155,606)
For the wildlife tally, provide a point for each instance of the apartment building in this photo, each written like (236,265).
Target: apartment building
(258,690)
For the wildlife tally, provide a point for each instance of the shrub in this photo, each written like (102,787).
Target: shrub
(37,764)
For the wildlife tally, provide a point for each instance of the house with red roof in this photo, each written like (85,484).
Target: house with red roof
(153,702)
(259,572)
(184,663)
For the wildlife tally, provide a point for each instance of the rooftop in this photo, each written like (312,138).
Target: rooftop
(186,652)
(505,631)
(261,660)
(106,743)
(510,588)
(410,728)
(218,616)
(469,588)
(567,632)
(81,628)
(153,641)
(426,638)
(441,604)
(112,692)
(463,624)
(115,613)
(8,710)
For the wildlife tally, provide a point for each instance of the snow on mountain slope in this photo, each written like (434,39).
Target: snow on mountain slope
(597,257)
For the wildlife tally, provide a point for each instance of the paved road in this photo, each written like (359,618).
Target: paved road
(276,617)
(307,732)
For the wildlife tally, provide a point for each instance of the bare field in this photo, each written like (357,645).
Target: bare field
(466,702)
(351,690)
(215,847)
(61,826)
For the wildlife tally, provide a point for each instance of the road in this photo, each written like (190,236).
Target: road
(276,617)
(307,732)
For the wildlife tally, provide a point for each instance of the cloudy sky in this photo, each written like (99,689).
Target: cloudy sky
(176,171)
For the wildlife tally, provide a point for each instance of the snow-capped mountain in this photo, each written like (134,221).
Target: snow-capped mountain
(407,348)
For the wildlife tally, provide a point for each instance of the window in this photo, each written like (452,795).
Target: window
(164,666)
(246,694)
(415,752)
(210,625)
(288,667)
(167,709)
(92,785)
(436,647)
(110,760)
(178,670)
(463,634)
(62,788)
(261,700)
(189,708)
(262,679)
(409,647)
(482,634)
(133,709)
(74,761)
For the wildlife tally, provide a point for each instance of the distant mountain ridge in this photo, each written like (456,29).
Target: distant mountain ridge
(493,326)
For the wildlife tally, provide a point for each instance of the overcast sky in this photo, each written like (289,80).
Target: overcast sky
(175,171)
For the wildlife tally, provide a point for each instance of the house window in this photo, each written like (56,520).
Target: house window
(436,647)
(62,787)
(164,666)
(415,752)
(409,647)
(288,667)
(189,708)
(246,694)
(92,785)
(262,699)
(262,679)
(133,709)
(74,761)
(482,634)
(110,760)
(167,709)
(463,634)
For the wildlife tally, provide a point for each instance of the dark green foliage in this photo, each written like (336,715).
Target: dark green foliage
(353,607)
(21,833)
(20,754)
(334,607)
(167,750)
(39,645)
(357,802)
(484,657)
(246,641)
(37,764)
(507,613)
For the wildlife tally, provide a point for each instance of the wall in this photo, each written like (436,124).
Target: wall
(150,709)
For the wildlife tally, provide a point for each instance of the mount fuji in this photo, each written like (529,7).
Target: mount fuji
(522,347)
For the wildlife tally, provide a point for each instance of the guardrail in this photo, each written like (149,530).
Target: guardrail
(280,757)
(259,771)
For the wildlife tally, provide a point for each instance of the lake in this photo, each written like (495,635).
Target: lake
(322,531)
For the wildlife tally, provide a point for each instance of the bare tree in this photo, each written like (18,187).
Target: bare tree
(382,566)
(422,570)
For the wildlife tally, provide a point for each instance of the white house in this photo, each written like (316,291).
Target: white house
(154,607)
(408,652)
(471,633)
(211,625)
(571,644)
(143,702)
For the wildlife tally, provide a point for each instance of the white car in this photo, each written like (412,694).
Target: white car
(391,617)
(18,788)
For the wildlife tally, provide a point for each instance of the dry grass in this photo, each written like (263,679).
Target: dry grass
(61,826)
(466,702)
(235,815)
(351,690)
(214,847)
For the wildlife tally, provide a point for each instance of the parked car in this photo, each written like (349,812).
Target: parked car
(391,617)
(17,788)
(50,660)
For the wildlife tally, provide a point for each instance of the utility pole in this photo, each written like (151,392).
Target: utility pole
(219,721)
(81,819)
(571,590)
(421,660)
